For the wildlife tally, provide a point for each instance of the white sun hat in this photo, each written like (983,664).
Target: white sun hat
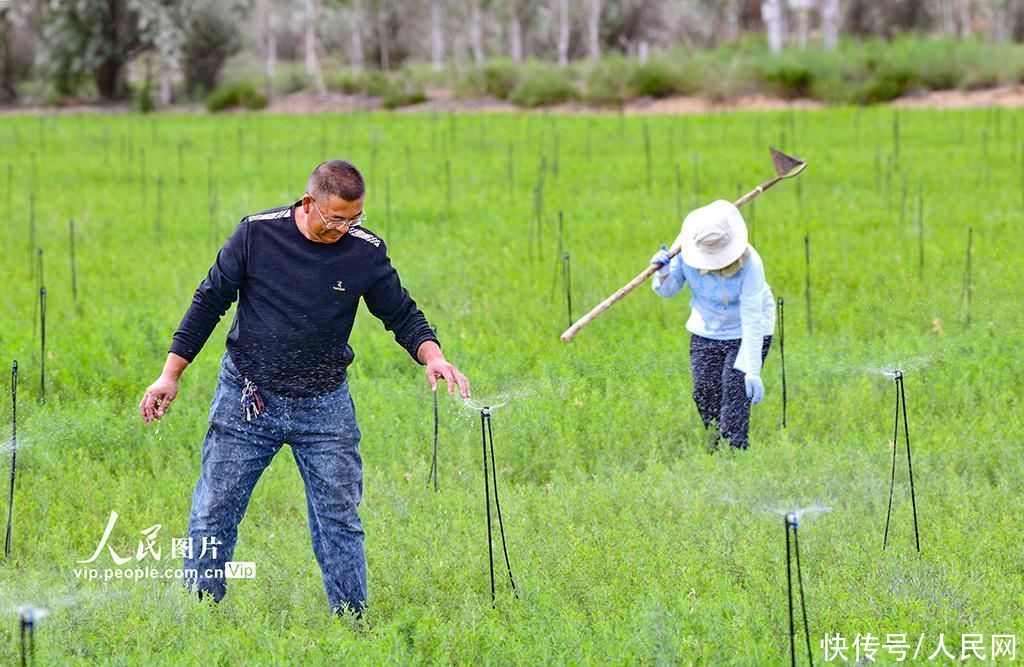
(713,236)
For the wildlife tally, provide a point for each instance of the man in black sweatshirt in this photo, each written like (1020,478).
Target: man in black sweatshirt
(298,273)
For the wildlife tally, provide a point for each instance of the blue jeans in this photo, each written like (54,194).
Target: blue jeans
(324,437)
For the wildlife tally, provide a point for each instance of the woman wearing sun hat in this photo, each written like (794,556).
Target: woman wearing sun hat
(732,315)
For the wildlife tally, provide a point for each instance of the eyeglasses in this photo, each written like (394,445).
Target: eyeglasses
(350,223)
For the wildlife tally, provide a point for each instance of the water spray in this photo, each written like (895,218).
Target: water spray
(901,402)
(14,457)
(792,524)
(781,317)
(488,436)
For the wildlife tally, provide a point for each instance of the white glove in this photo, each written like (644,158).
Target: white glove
(661,260)
(755,387)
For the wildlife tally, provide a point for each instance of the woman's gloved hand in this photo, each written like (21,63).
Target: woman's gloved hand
(755,387)
(661,260)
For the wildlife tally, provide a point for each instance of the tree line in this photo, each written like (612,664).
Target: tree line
(87,47)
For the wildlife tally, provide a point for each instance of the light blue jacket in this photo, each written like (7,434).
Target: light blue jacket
(738,307)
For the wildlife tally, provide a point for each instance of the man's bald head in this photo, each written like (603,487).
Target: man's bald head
(336,178)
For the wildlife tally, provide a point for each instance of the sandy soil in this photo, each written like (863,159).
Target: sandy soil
(442,100)
(1010,97)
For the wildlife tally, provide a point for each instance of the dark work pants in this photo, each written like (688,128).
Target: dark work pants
(719,390)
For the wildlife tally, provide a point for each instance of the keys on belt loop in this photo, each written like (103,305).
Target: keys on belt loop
(252,402)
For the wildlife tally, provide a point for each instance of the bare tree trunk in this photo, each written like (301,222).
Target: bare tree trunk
(732,20)
(643,51)
(384,37)
(476,35)
(312,61)
(948,22)
(830,18)
(358,57)
(999,15)
(803,19)
(563,33)
(515,33)
(166,96)
(965,18)
(436,36)
(271,54)
(773,15)
(594,30)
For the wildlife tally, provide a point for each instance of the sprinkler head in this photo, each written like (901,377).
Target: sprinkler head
(897,375)
(485,411)
(30,615)
(792,520)
(14,367)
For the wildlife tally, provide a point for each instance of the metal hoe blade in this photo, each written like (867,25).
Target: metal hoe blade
(785,165)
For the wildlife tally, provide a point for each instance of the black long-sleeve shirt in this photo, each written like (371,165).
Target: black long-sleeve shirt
(297,302)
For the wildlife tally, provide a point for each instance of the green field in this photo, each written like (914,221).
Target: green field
(629,543)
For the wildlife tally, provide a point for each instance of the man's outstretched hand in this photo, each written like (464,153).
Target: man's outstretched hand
(157,398)
(438,368)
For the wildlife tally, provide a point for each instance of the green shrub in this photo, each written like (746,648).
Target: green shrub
(887,84)
(294,81)
(401,94)
(542,86)
(654,79)
(343,81)
(500,78)
(608,82)
(725,81)
(374,84)
(143,99)
(239,94)
(469,84)
(497,78)
(789,78)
